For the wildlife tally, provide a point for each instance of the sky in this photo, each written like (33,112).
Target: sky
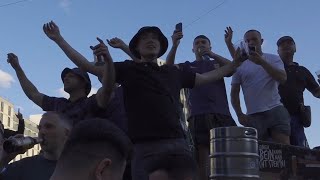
(82,21)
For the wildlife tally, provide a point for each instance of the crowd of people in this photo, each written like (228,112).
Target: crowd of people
(131,128)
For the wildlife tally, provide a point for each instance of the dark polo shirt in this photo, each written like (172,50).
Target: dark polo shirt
(150,95)
(208,98)
(30,168)
(87,107)
(299,78)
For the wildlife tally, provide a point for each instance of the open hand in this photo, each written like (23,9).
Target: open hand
(52,31)
(116,43)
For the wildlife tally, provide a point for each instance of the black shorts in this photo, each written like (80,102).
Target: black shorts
(200,126)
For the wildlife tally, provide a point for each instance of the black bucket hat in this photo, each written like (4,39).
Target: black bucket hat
(134,41)
(80,73)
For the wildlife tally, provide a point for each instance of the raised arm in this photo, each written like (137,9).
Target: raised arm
(277,74)
(176,36)
(53,32)
(228,39)
(108,79)
(21,124)
(28,88)
(118,43)
(219,73)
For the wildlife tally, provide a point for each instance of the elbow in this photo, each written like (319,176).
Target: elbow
(283,79)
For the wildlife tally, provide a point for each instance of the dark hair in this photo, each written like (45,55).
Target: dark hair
(202,37)
(253,30)
(92,140)
(177,164)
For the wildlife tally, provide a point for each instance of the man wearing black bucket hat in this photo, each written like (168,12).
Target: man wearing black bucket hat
(299,78)
(77,84)
(151,93)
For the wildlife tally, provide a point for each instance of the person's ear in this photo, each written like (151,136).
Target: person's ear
(102,167)
(262,41)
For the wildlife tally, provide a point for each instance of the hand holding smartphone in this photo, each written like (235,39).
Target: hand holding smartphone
(179,27)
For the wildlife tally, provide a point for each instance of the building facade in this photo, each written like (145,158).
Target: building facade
(10,121)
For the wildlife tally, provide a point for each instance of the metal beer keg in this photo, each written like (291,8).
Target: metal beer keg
(234,153)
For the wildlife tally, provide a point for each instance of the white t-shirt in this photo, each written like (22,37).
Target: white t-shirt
(260,90)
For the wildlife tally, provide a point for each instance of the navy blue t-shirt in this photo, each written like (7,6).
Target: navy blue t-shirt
(208,98)
(150,96)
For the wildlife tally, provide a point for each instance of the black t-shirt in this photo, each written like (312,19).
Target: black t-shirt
(30,168)
(299,78)
(150,96)
(86,107)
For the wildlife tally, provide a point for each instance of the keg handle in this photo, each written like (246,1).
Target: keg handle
(250,132)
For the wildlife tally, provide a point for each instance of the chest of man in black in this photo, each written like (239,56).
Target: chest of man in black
(150,96)
(299,78)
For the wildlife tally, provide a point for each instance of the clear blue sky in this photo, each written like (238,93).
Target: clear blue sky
(82,21)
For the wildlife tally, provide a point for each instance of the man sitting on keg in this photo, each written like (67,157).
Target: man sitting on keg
(54,132)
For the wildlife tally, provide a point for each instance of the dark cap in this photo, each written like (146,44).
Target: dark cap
(80,73)
(284,38)
(134,41)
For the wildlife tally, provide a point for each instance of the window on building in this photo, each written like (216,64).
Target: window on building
(1,106)
(9,121)
(1,117)
(9,110)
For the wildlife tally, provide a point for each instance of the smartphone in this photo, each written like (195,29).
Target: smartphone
(179,27)
(252,48)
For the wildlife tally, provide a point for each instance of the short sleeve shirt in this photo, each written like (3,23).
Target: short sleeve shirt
(208,98)
(150,96)
(299,78)
(260,90)
(87,107)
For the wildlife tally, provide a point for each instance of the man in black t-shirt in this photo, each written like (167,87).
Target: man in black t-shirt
(77,84)
(299,78)
(150,94)
(54,132)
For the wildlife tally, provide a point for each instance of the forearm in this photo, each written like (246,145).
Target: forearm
(231,49)
(128,52)
(235,101)
(277,74)
(171,55)
(108,83)
(78,59)
(28,87)
(221,60)
(317,93)
(21,127)
(216,74)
